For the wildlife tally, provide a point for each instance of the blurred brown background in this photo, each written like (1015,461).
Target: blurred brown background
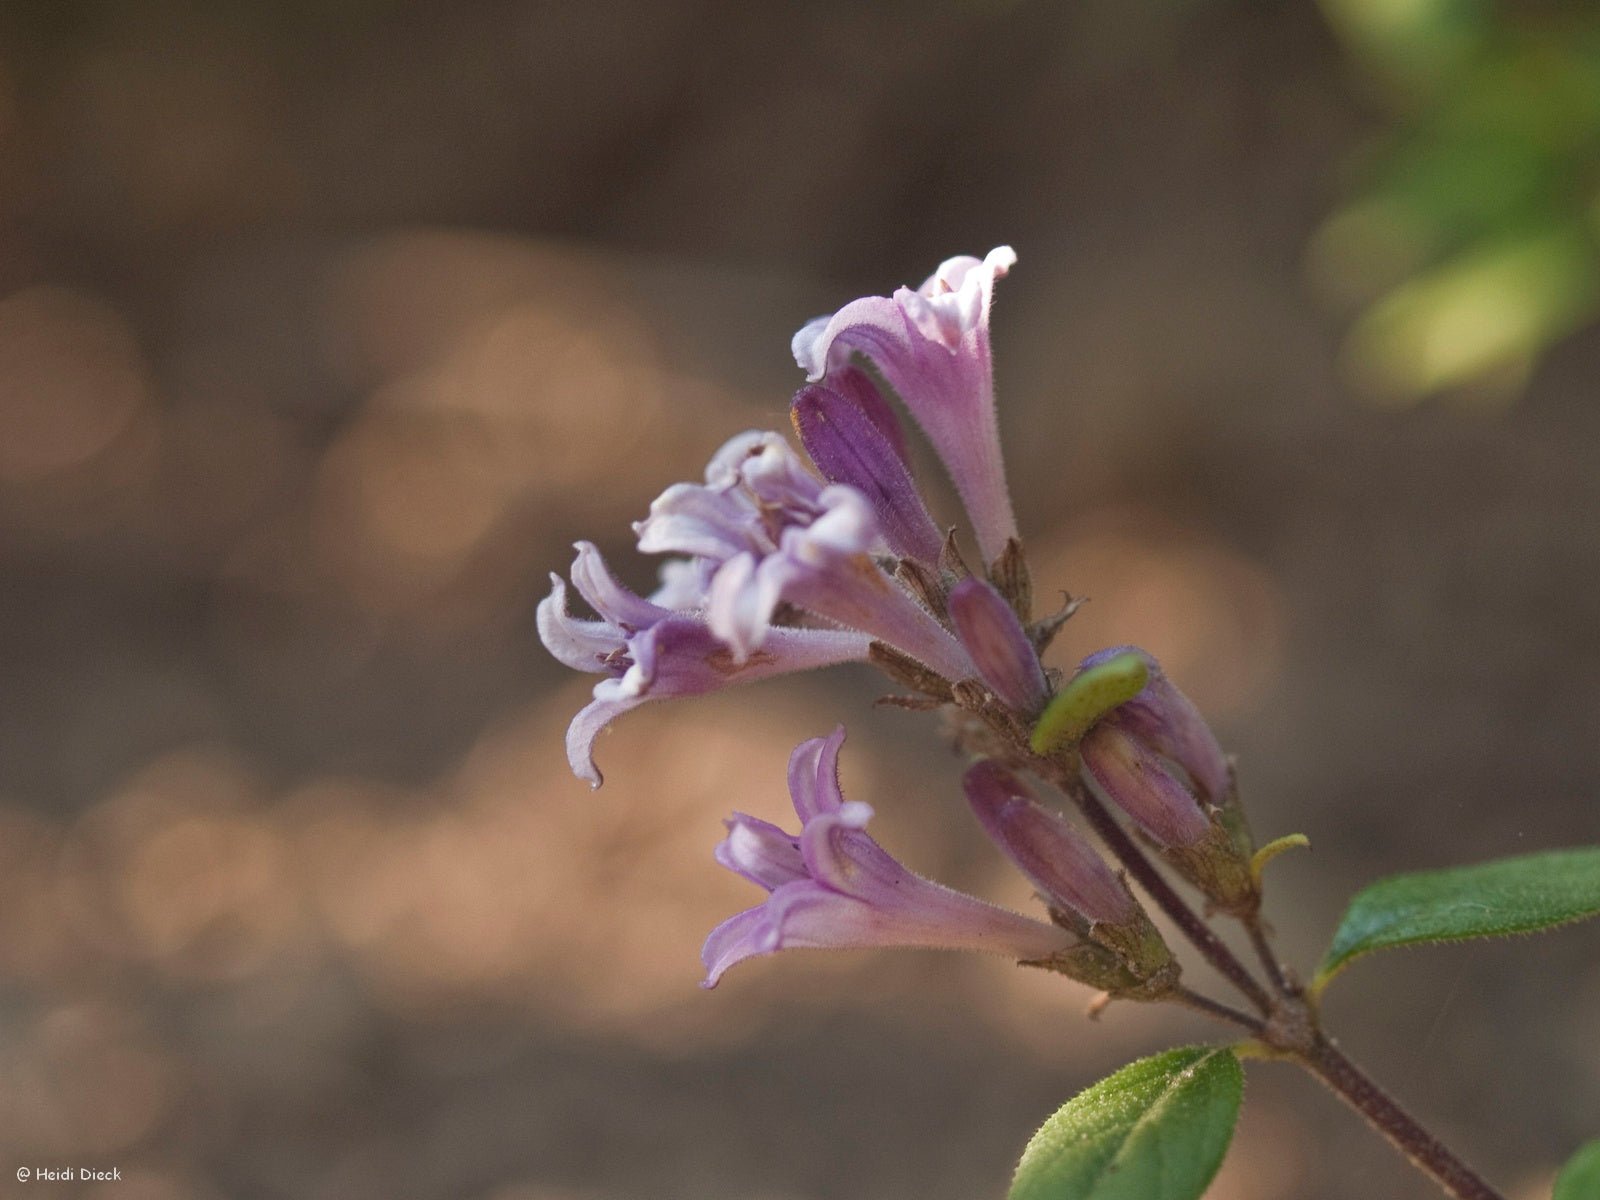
(326,328)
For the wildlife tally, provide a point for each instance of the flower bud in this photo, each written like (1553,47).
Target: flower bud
(1082,891)
(856,386)
(1006,660)
(1057,860)
(850,447)
(1137,781)
(1155,757)
(1165,720)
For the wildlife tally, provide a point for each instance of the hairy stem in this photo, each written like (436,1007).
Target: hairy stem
(1215,1008)
(1328,1063)
(1269,957)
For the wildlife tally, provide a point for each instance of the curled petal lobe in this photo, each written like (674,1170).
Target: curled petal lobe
(606,596)
(699,521)
(761,852)
(575,643)
(680,656)
(814,776)
(610,702)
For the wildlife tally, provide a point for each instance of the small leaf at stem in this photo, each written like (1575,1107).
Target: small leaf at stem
(1580,1178)
(1086,697)
(1156,1130)
(1260,859)
(1514,895)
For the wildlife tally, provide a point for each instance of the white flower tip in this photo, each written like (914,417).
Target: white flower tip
(806,346)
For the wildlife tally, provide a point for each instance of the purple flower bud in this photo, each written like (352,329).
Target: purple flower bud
(857,387)
(1057,860)
(1137,780)
(1167,721)
(849,447)
(999,646)
(932,345)
(833,887)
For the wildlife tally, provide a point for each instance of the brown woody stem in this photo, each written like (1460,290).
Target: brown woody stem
(1328,1063)
(1215,1008)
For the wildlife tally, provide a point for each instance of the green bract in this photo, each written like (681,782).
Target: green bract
(1088,696)
(1156,1130)
(1515,895)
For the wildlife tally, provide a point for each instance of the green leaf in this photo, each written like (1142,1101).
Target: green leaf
(1156,1130)
(1580,1178)
(1515,895)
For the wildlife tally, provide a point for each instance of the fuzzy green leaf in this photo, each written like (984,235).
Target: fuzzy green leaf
(1514,895)
(1156,1130)
(1580,1178)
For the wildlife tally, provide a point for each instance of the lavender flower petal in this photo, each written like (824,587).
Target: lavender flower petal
(576,643)
(932,345)
(650,652)
(761,852)
(606,596)
(826,567)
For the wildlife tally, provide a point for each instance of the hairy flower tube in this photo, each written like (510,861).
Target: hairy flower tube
(932,345)
(833,887)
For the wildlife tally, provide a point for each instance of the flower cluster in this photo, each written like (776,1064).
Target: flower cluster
(776,564)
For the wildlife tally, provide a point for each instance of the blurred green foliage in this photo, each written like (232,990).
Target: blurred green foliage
(1471,243)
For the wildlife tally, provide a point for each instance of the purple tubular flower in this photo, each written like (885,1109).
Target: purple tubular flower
(1137,780)
(1055,857)
(826,567)
(932,345)
(849,447)
(763,531)
(1166,721)
(650,652)
(833,887)
(999,646)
